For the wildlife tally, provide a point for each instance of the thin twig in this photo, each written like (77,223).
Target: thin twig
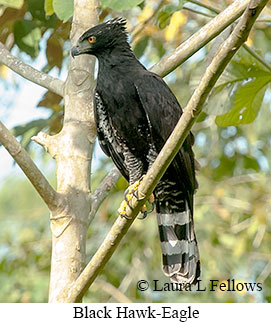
(264,20)
(198,40)
(245,46)
(210,8)
(45,190)
(28,72)
(112,291)
(265,273)
(257,56)
(172,146)
(103,190)
(198,12)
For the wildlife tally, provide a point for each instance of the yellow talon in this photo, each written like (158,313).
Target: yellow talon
(122,208)
(129,194)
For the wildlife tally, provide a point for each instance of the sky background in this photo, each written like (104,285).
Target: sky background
(18,101)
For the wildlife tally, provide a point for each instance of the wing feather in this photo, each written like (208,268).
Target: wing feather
(106,136)
(163,112)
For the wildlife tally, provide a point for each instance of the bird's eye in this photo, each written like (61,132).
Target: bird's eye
(91,39)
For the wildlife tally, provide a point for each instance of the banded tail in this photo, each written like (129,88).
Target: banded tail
(179,247)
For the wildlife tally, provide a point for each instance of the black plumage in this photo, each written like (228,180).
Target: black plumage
(135,112)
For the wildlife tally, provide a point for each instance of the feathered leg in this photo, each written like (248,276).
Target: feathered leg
(136,171)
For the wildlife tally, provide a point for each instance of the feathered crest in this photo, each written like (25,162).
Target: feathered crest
(119,21)
(117,25)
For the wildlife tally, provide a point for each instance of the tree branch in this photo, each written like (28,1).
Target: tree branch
(45,190)
(171,61)
(257,56)
(103,190)
(172,146)
(245,46)
(73,151)
(28,72)
(200,4)
(198,12)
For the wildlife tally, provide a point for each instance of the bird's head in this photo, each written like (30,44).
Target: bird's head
(104,36)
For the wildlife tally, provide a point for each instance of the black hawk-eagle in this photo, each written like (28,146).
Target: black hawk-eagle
(135,112)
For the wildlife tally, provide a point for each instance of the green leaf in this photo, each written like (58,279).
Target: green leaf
(225,168)
(223,95)
(37,10)
(50,100)
(54,51)
(17,4)
(246,70)
(202,116)
(120,5)
(141,46)
(48,7)
(165,15)
(247,102)
(28,130)
(34,124)
(166,12)
(251,163)
(63,9)
(27,35)
(221,99)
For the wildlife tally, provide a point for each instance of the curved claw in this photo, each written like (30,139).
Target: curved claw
(144,210)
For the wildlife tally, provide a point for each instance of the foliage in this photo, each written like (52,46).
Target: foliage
(232,223)
(24,243)
(166,12)
(120,5)
(12,3)
(63,10)
(243,85)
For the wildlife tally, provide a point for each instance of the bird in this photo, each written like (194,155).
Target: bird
(135,112)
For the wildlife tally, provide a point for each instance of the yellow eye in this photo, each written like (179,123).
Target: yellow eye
(91,39)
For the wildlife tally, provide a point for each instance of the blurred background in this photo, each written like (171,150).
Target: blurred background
(232,144)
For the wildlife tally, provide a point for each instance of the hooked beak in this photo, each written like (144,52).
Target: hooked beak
(81,47)
(75,51)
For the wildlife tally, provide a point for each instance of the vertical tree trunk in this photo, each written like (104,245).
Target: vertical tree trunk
(72,149)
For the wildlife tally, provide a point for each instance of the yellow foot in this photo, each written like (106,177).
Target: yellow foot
(123,207)
(129,193)
(132,191)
